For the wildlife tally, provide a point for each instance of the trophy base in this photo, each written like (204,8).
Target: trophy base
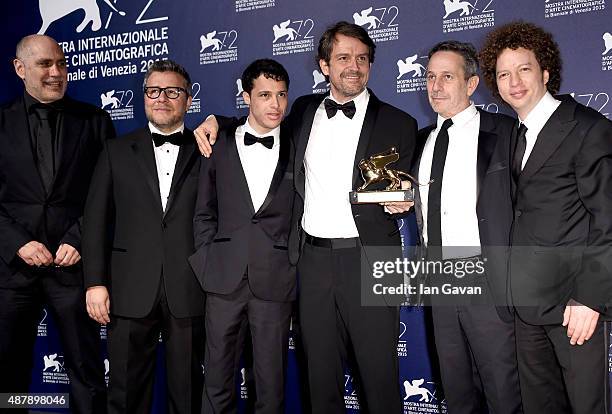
(366,197)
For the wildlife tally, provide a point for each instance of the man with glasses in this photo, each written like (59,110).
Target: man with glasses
(137,237)
(49,145)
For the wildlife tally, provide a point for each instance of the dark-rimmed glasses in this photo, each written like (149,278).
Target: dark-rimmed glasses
(171,92)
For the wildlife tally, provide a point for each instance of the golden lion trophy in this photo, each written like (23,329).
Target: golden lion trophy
(374,170)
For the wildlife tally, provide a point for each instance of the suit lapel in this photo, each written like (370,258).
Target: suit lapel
(422,137)
(365,135)
(21,144)
(142,148)
(304,134)
(69,135)
(186,157)
(486,144)
(281,167)
(233,160)
(556,129)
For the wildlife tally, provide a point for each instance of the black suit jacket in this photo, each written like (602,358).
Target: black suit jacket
(231,237)
(562,229)
(493,204)
(384,127)
(27,212)
(130,244)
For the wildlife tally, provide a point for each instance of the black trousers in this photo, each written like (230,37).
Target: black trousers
(557,377)
(20,312)
(132,345)
(335,326)
(227,317)
(477,353)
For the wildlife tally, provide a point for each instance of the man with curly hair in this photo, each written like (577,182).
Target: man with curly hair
(560,282)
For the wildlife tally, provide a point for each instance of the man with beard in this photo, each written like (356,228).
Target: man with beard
(331,134)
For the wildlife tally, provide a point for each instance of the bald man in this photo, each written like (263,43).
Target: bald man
(49,144)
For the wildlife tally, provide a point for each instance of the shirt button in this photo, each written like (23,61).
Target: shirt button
(167,173)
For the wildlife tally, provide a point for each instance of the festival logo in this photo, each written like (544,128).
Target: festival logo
(51,11)
(420,396)
(195,107)
(606,56)
(42,325)
(53,371)
(244,392)
(250,5)
(292,36)
(240,104)
(351,400)
(106,370)
(319,83)
(460,15)
(411,75)
(558,8)
(218,46)
(402,351)
(598,100)
(118,104)
(381,22)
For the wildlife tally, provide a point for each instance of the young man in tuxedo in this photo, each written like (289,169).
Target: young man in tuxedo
(241,227)
(138,234)
(466,214)
(332,133)
(49,146)
(560,264)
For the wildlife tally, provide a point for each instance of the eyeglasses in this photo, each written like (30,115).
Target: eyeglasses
(171,92)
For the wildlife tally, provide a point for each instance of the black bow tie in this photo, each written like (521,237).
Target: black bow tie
(250,139)
(332,107)
(175,139)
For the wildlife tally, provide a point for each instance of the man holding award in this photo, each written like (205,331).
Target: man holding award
(332,134)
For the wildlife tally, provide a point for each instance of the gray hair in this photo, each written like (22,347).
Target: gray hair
(168,66)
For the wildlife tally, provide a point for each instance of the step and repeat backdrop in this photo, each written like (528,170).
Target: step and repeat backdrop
(110,43)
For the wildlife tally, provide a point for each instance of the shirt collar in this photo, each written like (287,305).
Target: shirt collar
(31,103)
(461,118)
(275,132)
(154,130)
(539,115)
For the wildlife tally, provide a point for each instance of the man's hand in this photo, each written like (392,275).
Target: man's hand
(98,304)
(206,135)
(396,207)
(35,254)
(66,255)
(581,322)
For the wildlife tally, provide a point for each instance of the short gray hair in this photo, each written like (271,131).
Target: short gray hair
(168,66)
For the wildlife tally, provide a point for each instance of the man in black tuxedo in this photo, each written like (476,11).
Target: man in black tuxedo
(331,134)
(464,216)
(49,146)
(241,227)
(138,234)
(560,264)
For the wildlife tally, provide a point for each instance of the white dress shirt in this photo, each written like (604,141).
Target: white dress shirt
(165,161)
(258,162)
(535,121)
(329,161)
(458,221)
